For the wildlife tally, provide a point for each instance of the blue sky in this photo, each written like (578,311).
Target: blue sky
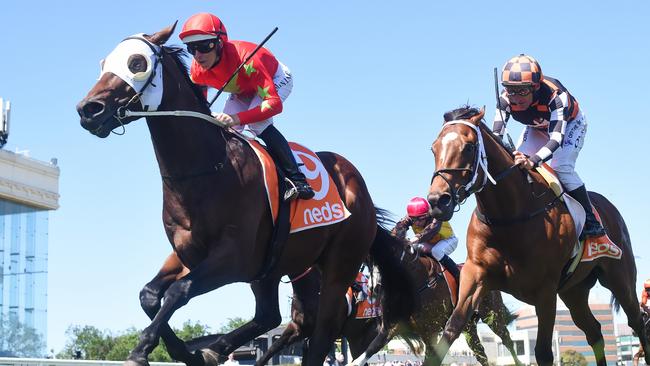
(372,81)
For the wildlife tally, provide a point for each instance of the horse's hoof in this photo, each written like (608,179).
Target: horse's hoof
(210,357)
(136,362)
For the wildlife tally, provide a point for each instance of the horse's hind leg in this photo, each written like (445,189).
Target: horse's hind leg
(381,339)
(496,315)
(576,299)
(291,334)
(623,291)
(474,343)
(267,316)
(150,297)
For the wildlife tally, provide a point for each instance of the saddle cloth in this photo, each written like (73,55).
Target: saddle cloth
(325,208)
(434,270)
(369,306)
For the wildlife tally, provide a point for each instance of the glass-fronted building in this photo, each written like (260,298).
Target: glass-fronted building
(28,192)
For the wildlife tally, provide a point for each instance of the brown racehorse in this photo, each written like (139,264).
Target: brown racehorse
(426,323)
(304,306)
(520,237)
(215,209)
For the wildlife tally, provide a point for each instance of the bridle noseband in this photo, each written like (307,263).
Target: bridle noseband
(480,162)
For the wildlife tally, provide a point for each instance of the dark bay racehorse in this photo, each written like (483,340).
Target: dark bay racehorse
(215,209)
(424,325)
(304,307)
(520,238)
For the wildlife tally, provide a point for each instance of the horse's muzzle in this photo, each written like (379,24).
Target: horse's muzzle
(442,205)
(94,117)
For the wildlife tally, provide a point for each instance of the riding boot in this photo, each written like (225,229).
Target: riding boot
(451,266)
(592,226)
(281,152)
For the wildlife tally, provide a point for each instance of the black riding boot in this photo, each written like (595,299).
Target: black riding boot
(279,149)
(592,226)
(451,266)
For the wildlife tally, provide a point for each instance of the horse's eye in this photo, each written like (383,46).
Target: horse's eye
(137,63)
(468,149)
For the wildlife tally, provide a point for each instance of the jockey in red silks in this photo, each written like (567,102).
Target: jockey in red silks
(258,91)
(432,237)
(555,127)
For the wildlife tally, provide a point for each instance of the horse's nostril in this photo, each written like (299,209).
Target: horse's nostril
(92,109)
(444,200)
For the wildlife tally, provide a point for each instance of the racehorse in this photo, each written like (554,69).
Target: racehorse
(520,238)
(427,321)
(304,305)
(215,210)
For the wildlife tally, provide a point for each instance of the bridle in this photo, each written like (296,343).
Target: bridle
(124,111)
(479,163)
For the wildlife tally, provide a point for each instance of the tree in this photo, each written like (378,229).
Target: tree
(572,358)
(232,324)
(19,340)
(93,343)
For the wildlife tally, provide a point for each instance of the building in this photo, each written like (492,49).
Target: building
(570,337)
(28,191)
(627,345)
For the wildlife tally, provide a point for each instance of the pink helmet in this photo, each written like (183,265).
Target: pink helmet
(417,207)
(646,284)
(203,26)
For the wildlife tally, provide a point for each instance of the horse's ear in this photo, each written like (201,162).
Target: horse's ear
(477,118)
(160,38)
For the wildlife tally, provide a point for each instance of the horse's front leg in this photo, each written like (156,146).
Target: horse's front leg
(267,317)
(150,300)
(469,296)
(545,310)
(206,277)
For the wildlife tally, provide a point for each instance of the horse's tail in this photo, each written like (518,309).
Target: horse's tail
(411,337)
(613,301)
(399,293)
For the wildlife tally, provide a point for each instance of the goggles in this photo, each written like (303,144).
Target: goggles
(204,46)
(521,91)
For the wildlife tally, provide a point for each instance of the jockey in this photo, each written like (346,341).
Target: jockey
(432,237)
(258,91)
(555,127)
(645,294)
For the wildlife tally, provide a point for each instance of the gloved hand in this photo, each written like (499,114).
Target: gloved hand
(227,119)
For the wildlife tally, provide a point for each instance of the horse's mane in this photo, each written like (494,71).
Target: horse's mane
(179,55)
(467,112)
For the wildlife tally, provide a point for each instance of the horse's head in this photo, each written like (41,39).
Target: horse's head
(131,76)
(459,156)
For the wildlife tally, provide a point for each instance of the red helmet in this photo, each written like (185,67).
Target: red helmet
(203,26)
(417,207)
(646,284)
(522,70)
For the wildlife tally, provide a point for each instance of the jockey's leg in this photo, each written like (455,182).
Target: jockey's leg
(279,148)
(441,250)
(592,226)
(564,163)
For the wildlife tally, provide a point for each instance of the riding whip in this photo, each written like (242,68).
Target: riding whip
(496,92)
(242,65)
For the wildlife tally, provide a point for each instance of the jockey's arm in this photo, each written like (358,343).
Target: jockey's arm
(400,229)
(556,128)
(429,232)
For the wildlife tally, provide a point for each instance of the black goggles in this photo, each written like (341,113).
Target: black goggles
(520,91)
(202,46)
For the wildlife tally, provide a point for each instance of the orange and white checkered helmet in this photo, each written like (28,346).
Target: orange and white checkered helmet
(522,70)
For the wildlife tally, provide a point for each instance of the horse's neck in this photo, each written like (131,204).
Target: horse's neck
(184,146)
(510,197)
